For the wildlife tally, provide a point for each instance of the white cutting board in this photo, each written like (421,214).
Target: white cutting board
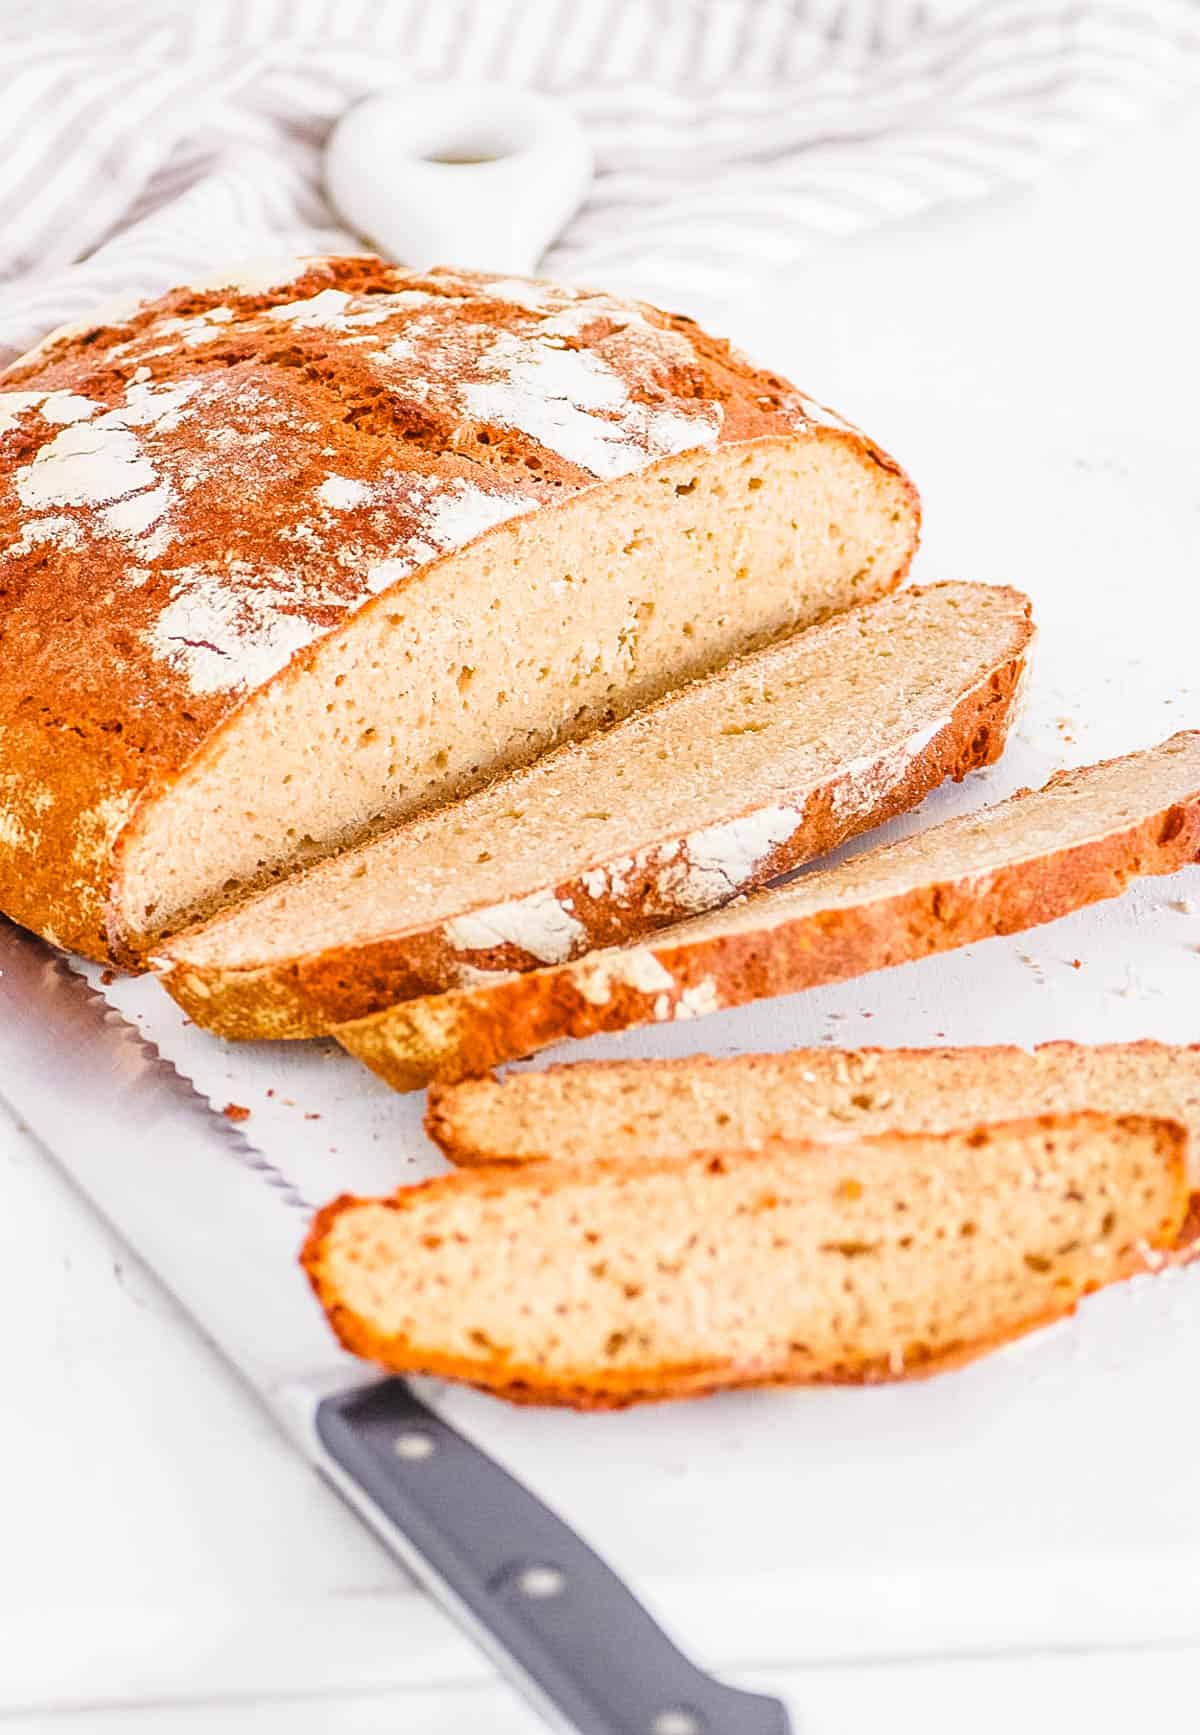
(1052,1493)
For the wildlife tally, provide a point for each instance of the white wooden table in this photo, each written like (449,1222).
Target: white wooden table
(166,1561)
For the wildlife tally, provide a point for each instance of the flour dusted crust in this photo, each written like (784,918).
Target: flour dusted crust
(195,493)
(1026,861)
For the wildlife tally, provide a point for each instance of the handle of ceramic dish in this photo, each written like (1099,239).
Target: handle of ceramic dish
(551,1614)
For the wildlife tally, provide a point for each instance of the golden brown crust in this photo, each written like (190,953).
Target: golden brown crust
(310,993)
(162,558)
(612,1388)
(463,1034)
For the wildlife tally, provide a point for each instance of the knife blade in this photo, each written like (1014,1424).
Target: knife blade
(183,1185)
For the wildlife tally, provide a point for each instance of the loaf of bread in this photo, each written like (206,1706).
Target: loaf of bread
(286,560)
(711,791)
(673,1108)
(1027,860)
(604,1283)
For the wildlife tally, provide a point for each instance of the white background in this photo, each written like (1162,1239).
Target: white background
(167,1563)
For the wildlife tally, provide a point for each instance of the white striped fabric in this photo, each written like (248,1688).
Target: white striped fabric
(143,143)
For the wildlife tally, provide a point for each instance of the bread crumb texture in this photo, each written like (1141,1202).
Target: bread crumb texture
(716,788)
(1081,838)
(209,492)
(602,1284)
(669,1108)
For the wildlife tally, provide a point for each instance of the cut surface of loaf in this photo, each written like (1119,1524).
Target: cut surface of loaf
(715,789)
(605,1283)
(1032,858)
(672,1108)
(285,560)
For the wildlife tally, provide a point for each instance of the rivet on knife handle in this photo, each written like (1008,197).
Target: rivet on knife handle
(548,1609)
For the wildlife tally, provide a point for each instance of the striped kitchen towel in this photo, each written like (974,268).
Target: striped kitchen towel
(142,141)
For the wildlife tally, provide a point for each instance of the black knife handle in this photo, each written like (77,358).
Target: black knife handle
(547,1609)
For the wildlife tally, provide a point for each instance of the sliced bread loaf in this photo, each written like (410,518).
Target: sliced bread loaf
(713,790)
(603,1283)
(670,1108)
(1029,859)
(286,560)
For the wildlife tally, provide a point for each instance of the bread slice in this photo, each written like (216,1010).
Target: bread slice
(673,1108)
(599,1284)
(285,560)
(715,789)
(1034,857)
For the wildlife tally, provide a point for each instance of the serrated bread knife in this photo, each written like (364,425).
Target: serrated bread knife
(165,1169)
